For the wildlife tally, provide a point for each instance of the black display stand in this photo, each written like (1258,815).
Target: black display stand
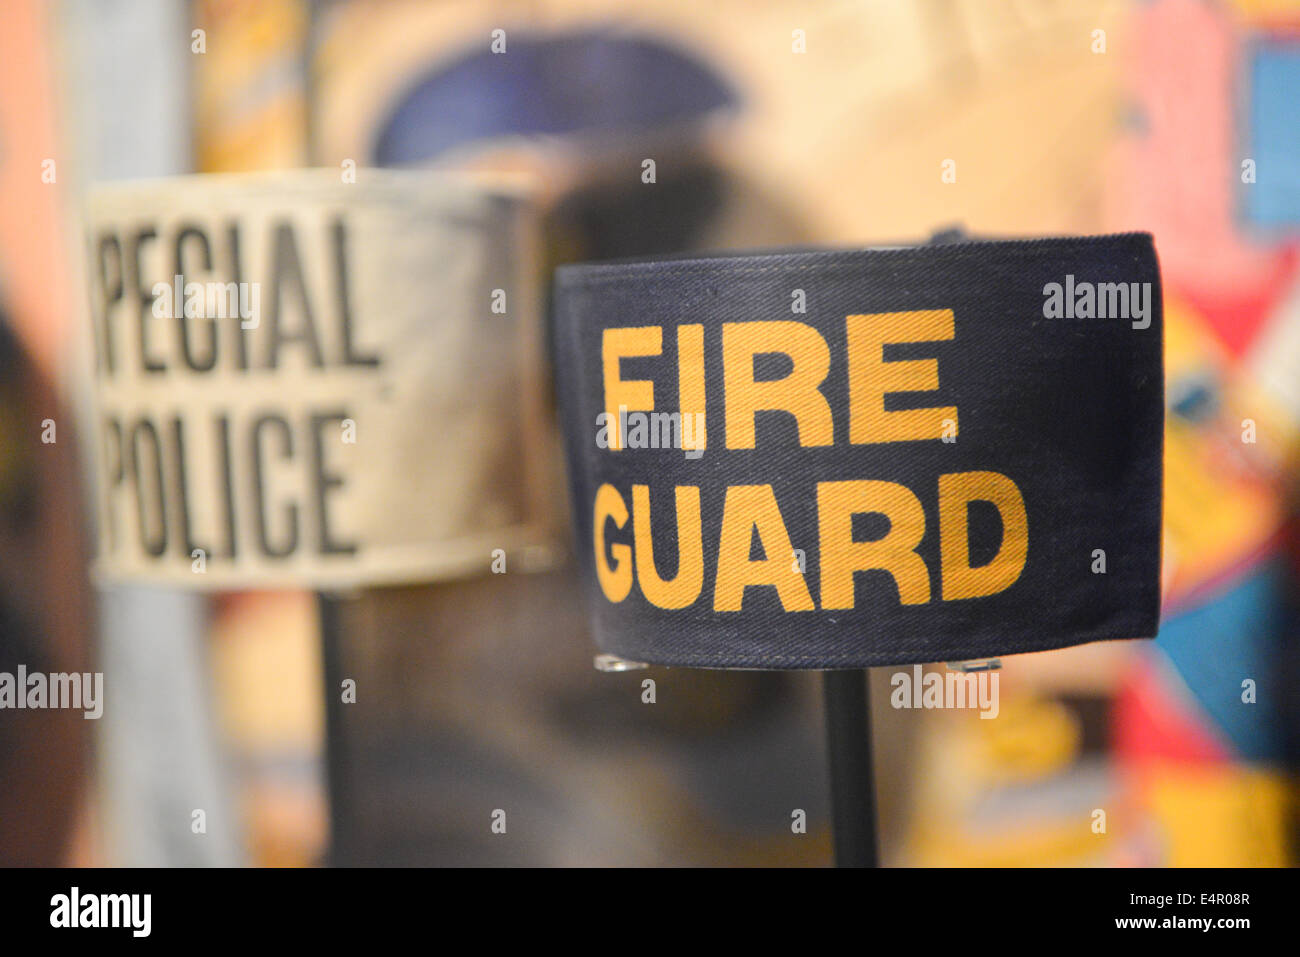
(338,770)
(848,750)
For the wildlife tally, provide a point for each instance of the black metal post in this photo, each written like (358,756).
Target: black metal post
(338,770)
(853,794)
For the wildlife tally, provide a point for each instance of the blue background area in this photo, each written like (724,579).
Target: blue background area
(556,84)
(1231,638)
(1273,136)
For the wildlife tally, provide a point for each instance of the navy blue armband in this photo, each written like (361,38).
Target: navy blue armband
(807,459)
